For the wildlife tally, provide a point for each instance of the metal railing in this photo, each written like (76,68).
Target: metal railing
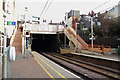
(78,37)
(100,48)
(73,39)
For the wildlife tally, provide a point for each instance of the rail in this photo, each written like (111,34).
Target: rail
(93,69)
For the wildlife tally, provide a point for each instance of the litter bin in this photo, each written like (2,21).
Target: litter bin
(118,50)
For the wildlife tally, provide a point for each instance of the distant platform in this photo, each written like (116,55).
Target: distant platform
(66,51)
(112,57)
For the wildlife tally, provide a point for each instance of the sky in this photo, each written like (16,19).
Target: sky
(58,8)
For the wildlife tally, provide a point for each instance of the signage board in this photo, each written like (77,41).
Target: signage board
(11,23)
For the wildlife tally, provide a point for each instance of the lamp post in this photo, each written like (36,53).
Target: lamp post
(76,37)
(26,9)
(65,26)
(64,38)
(4,65)
(92,32)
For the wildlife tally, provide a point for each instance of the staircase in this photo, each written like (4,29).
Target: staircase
(76,39)
(17,41)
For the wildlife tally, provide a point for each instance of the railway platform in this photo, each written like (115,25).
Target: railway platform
(26,68)
(111,57)
(37,66)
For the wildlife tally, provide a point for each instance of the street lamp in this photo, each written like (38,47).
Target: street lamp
(65,38)
(4,65)
(65,26)
(92,37)
(26,9)
(92,32)
(76,37)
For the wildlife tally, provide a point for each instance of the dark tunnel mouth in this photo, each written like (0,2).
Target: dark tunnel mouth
(45,43)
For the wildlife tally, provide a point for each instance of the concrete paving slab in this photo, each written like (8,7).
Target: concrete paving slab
(54,69)
(27,68)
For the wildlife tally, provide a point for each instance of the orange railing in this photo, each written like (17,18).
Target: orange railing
(107,49)
(82,41)
(73,39)
(79,38)
(100,48)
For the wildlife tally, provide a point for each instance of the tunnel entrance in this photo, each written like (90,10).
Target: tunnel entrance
(45,42)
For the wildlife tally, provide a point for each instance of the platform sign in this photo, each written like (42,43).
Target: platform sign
(11,23)
(25,35)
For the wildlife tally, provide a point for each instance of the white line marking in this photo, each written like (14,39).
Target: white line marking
(62,67)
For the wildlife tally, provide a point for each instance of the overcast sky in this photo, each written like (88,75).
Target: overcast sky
(57,9)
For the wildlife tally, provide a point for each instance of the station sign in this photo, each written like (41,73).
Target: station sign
(25,35)
(11,23)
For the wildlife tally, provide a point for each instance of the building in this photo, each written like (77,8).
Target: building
(74,13)
(85,21)
(7,9)
(114,12)
(119,10)
(1,18)
(72,17)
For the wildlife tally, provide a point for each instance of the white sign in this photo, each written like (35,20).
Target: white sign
(25,35)
(92,39)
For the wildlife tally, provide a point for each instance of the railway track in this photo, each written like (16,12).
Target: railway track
(87,70)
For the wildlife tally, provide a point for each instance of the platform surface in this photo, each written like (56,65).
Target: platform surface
(37,66)
(26,68)
(53,69)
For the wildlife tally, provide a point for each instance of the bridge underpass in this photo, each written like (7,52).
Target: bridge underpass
(45,42)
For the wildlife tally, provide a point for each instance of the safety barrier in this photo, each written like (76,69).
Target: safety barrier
(100,48)
(108,49)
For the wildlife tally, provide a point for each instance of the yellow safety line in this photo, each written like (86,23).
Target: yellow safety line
(51,67)
(44,69)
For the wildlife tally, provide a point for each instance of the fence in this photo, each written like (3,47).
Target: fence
(100,48)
